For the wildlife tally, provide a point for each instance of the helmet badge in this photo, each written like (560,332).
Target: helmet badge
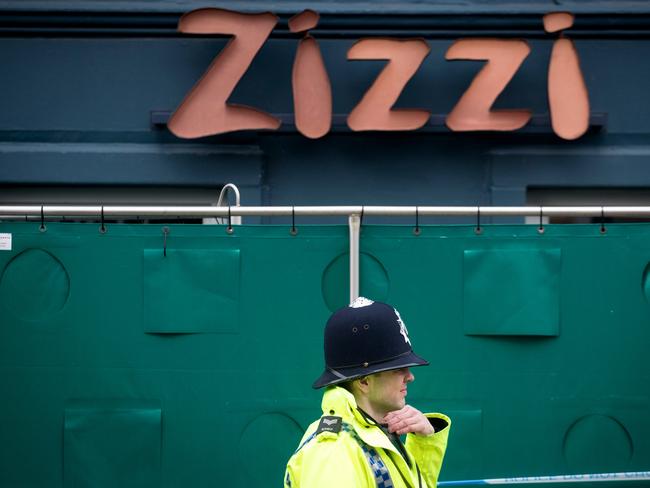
(361,302)
(402,328)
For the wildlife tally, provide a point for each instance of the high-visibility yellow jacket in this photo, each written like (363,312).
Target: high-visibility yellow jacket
(353,456)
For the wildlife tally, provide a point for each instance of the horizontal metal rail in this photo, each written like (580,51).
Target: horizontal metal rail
(109,211)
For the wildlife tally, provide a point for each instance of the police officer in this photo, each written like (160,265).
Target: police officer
(356,443)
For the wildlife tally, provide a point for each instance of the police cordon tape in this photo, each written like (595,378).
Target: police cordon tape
(566,478)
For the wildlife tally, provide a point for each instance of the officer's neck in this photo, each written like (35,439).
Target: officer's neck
(373,411)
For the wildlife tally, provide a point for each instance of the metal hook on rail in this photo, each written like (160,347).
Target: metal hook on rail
(417,231)
(478,230)
(540,229)
(603,230)
(42,228)
(165,231)
(293,230)
(229,229)
(102,227)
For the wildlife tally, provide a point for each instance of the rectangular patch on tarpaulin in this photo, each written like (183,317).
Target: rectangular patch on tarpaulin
(511,292)
(109,443)
(191,291)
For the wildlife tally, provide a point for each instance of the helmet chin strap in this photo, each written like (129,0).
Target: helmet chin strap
(336,373)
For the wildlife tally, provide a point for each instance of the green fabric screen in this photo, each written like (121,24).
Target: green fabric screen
(524,291)
(191,290)
(36,283)
(109,443)
(210,352)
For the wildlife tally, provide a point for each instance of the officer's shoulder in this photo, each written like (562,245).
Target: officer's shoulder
(329,424)
(325,430)
(330,442)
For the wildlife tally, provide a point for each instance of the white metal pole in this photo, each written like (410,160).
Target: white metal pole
(354,221)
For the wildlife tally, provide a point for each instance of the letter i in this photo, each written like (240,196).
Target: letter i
(568,98)
(312,93)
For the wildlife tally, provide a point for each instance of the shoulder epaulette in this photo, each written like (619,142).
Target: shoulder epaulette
(329,423)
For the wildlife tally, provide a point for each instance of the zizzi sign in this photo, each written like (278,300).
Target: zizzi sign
(205,110)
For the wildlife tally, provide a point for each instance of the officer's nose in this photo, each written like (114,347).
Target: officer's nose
(409,376)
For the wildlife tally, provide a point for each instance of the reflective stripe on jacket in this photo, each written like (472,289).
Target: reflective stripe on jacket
(338,460)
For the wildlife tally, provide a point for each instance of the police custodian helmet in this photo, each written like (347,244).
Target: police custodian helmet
(364,338)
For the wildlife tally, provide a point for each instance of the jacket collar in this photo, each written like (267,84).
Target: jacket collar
(341,403)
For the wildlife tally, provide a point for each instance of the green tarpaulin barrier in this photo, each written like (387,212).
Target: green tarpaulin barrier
(112,443)
(524,291)
(191,290)
(120,366)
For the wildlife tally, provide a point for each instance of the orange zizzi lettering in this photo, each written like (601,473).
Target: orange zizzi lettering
(205,110)
(375,110)
(473,110)
(312,93)
(568,98)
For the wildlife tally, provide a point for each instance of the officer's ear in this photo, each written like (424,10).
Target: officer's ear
(363,384)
